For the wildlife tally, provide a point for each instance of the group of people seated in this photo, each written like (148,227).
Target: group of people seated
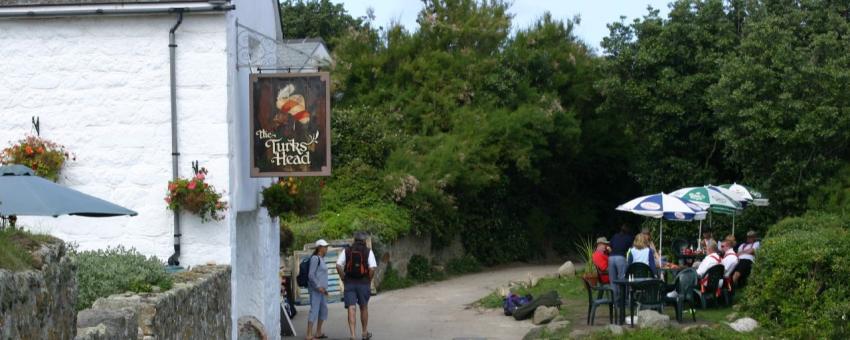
(612,258)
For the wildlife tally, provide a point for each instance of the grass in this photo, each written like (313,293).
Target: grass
(16,247)
(570,288)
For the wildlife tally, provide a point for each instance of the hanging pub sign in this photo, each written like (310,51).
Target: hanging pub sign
(290,124)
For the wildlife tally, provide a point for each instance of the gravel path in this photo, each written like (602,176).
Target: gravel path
(438,310)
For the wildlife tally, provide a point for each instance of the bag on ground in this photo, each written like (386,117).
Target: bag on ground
(550,299)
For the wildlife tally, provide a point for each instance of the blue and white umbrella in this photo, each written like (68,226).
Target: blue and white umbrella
(664,207)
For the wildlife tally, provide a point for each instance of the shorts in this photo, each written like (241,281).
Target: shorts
(318,306)
(357,293)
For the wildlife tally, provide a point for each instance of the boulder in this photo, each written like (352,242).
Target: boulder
(107,323)
(732,317)
(544,314)
(744,325)
(532,280)
(250,328)
(652,319)
(554,326)
(579,333)
(534,333)
(615,329)
(694,327)
(567,269)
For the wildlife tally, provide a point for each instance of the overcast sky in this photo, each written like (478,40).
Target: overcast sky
(595,14)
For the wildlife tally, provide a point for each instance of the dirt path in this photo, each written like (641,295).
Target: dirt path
(437,310)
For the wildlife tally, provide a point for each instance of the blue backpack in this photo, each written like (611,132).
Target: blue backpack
(303,278)
(513,301)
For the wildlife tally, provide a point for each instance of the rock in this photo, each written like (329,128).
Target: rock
(108,323)
(615,329)
(578,334)
(567,269)
(744,325)
(693,327)
(251,329)
(732,317)
(532,280)
(534,333)
(559,318)
(554,326)
(503,291)
(652,319)
(544,314)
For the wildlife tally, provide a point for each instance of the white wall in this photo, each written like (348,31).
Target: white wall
(101,87)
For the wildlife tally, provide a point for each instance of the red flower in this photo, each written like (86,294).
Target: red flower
(168,199)
(28,150)
(39,150)
(200,176)
(191,185)
(172,186)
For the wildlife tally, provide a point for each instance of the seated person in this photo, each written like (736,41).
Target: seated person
(730,258)
(706,237)
(746,257)
(600,259)
(711,258)
(641,252)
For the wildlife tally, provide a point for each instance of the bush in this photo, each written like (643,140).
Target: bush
(419,269)
(16,247)
(463,265)
(393,280)
(102,273)
(799,283)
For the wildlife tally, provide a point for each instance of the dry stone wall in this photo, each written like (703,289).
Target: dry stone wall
(39,304)
(197,307)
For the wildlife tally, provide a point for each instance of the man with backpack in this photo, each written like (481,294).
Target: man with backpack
(356,265)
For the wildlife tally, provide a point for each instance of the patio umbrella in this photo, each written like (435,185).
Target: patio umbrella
(748,194)
(22,193)
(711,199)
(663,207)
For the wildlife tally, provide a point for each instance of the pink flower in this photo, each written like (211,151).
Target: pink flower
(200,176)
(168,199)
(172,186)
(191,185)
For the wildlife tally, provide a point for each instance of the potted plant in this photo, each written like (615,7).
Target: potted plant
(195,196)
(585,247)
(43,156)
(282,197)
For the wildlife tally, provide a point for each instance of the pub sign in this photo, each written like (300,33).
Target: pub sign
(290,124)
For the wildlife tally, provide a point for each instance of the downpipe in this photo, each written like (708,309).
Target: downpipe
(174,260)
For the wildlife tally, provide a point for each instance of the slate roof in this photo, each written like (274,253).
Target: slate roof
(29,3)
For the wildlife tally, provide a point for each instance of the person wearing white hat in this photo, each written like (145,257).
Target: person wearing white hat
(318,287)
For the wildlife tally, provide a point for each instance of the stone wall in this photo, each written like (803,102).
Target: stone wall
(39,304)
(197,307)
(399,252)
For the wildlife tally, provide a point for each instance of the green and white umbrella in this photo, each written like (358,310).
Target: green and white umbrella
(709,197)
(747,194)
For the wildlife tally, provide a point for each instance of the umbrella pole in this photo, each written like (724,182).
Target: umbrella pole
(699,236)
(733,222)
(660,235)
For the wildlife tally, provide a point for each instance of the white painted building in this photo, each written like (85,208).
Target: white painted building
(97,74)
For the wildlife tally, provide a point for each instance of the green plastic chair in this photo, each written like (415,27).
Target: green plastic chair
(648,295)
(605,297)
(684,285)
(709,290)
(639,270)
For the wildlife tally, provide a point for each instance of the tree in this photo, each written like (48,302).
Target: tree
(316,19)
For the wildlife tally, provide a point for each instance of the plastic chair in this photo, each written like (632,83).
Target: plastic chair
(639,270)
(648,295)
(592,302)
(686,282)
(709,287)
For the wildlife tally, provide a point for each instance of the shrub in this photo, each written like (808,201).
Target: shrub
(101,273)
(393,280)
(419,269)
(799,283)
(462,265)
(46,158)
(16,247)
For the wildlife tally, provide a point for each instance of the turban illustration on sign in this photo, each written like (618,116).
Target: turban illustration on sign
(291,106)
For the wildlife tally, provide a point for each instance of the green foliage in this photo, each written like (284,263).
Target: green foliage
(799,284)
(16,247)
(102,273)
(584,248)
(463,265)
(419,269)
(392,280)
(315,19)
(714,332)
(196,196)
(833,196)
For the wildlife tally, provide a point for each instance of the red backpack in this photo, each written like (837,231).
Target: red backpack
(357,261)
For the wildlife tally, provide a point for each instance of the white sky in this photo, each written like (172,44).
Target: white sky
(595,14)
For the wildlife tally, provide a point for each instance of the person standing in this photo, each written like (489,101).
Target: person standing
(620,244)
(746,258)
(356,266)
(318,287)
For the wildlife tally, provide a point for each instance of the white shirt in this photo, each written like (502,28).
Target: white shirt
(754,246)
(340,261)
(640,255)
(709,261)
(730,260)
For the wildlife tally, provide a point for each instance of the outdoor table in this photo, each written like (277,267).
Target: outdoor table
(624,286)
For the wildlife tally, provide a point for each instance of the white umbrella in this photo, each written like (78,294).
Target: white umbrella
(663,207)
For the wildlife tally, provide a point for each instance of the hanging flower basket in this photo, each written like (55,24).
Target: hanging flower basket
(195,196)
(283,197)
(43,156)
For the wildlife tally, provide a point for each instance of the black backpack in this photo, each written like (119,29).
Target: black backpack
(356,261)
(304,272)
